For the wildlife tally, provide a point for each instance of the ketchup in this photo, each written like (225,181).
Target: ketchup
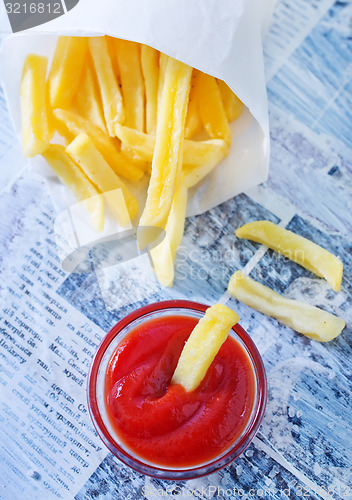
(161,422)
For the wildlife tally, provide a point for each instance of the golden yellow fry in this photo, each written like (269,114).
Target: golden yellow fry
(133,92)
(88,99)
(73,177)
(34,117)
(163,255)
(69,125)
(208,153)
(73,109)
(303,318)
(193,120)
(195,153)
(150,69)
(66,68)
(232,104)
(112,53)
(109,88)
(167,158)
(203,345)
(116,201)
(84,152)
(140,143)
(131,156)
(301,250)
(211,108)
(163,58)
(132,83)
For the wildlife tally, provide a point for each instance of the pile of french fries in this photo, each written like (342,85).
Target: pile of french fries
(126,111)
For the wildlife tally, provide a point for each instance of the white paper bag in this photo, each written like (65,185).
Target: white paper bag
(220,37)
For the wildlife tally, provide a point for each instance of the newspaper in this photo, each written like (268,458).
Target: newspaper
(46,349)
(48,447)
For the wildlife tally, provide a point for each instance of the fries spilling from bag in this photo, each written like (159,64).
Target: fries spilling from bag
(125,111)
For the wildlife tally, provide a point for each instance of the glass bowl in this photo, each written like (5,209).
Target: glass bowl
(96,392)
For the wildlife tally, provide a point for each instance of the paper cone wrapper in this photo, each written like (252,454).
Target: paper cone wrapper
(219,37)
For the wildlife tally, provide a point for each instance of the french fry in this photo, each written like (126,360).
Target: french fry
(211,108)
(34,117)
(69,125)
(203,345)
(112,53)
(139,142)
(134,158)
(83,189)
(88,98)
(132,83)
(163,58)
(301,250)
(133,91)
(195,153)
(232,104)
(163,255)
(116,201)
(303,318)
(109,88)
(193,121)
(209,153)
(150,69)
(65,71)
(167,157)
(84,152)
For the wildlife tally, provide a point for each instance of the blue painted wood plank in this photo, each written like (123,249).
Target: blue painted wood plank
(314,84)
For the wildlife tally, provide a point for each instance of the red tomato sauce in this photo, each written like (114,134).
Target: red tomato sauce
(160,421)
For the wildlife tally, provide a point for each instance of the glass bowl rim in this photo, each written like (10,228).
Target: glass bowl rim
(157,470)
